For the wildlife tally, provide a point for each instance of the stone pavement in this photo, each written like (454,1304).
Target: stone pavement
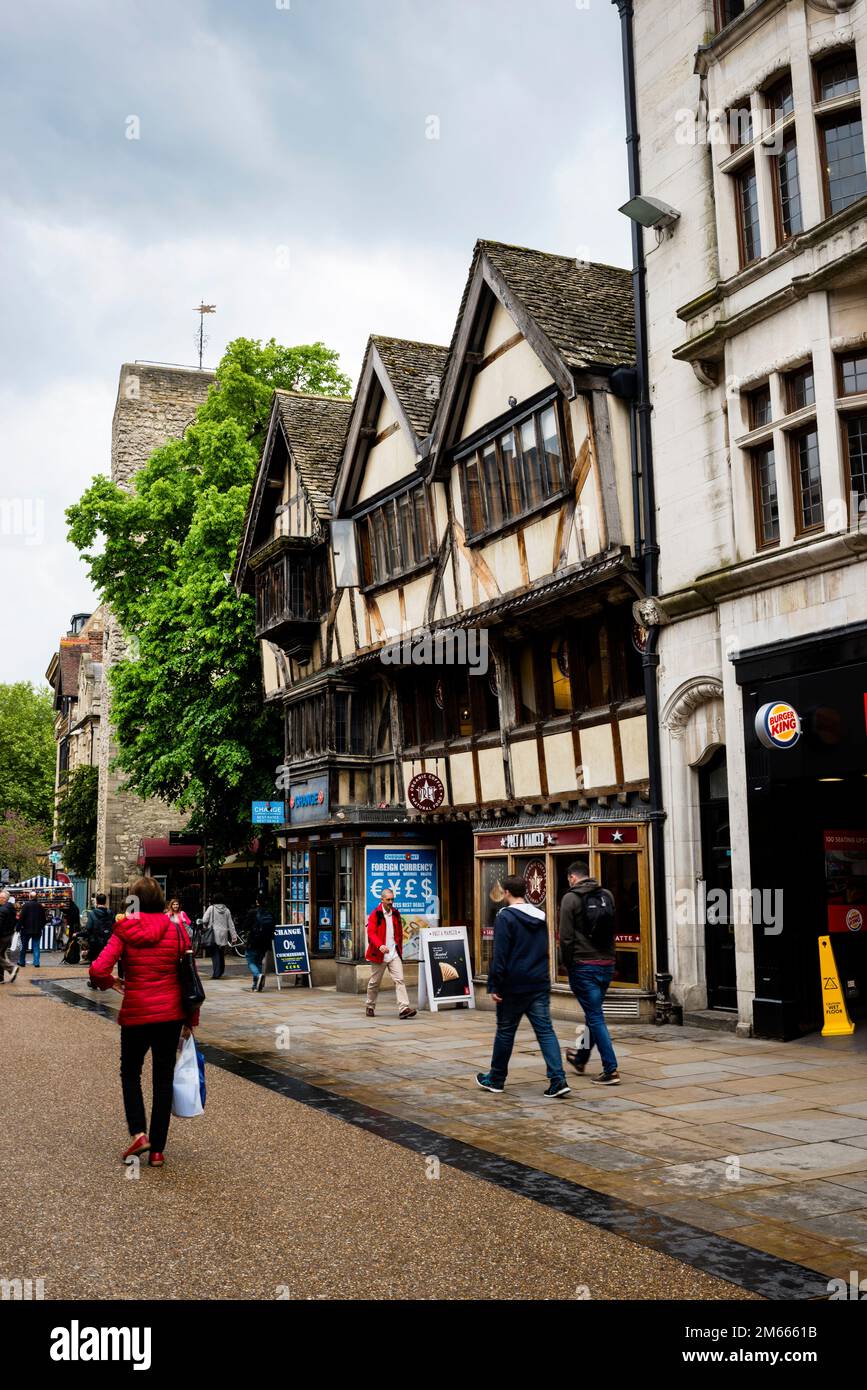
(764,1143)
(263,1197)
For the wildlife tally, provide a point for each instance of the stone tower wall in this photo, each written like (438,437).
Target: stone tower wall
(154,404)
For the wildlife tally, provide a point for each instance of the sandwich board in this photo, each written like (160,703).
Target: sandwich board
(289,952)
(444,976)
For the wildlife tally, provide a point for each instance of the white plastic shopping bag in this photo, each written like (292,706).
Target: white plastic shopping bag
(186,1092)
(15,943)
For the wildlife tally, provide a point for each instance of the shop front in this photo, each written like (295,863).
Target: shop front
(336,866)
(805,727)
(617,852)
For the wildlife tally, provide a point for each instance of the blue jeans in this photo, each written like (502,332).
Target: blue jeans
(255,960)
(35,942)
(537,1008)
(590,985)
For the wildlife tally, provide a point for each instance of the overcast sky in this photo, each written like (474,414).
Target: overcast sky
(282,171)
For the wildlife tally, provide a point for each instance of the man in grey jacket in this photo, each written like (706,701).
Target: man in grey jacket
(218,919)
(587,927)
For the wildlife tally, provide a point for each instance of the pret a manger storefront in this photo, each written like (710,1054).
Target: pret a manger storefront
(617,852)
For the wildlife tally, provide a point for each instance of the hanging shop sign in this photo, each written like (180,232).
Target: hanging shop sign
(411,874)
(574,836)
(846,880)
(308,801)
(445,976)
(778,725)
(536,882)
(425,792)
(269,812)
(289,950)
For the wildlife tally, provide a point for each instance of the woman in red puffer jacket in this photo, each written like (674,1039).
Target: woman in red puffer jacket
(152,1015)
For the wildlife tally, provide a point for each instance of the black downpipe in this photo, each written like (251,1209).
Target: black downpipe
(646,546)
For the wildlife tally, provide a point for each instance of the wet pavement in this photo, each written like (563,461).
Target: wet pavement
(271,1196)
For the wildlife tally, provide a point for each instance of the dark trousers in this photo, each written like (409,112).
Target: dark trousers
(536,1008)
(218,961)
(162,1040)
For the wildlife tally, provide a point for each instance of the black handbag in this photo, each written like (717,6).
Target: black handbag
(192,989)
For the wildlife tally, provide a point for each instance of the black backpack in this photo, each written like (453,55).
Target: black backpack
(599,923)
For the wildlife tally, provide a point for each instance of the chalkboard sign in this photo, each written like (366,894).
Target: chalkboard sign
(445,976)
(289,950)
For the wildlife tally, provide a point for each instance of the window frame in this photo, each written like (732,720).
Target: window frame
(470,455)
(793,439)
(784,235)
(763,542)
(840,359)
(747,167)
(846,420)
(789,379)
(389,510)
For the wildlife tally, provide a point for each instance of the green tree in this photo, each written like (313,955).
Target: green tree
(76,821)
(23,846)
(27,753)
(186,706)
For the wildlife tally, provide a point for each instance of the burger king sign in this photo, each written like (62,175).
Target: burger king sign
(778,725)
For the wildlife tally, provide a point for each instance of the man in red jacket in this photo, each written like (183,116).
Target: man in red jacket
(384,951)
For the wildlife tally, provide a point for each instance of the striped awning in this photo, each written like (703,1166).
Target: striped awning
(38,881)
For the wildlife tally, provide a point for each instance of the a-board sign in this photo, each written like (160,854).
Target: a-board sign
(445,976)
(290,952)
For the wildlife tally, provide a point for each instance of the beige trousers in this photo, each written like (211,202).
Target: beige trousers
(395,970)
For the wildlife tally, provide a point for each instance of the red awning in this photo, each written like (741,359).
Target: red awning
(160,851)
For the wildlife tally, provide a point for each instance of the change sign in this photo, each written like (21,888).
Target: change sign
(290,952)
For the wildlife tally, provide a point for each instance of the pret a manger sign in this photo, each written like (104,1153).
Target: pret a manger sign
(778,725)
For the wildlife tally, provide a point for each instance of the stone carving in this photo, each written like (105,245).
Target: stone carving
(685,700)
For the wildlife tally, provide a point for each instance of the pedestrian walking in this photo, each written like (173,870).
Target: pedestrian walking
(519,982)
(31,925)
(8,927)
(385,952)
(152,1016)
(258,928)
(587,925)
(218,921)
(176,913)
(71,922)
(98,926)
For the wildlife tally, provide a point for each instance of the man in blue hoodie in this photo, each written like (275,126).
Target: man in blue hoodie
(519,982)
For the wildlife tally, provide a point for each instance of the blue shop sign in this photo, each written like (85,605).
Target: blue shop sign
(269,812)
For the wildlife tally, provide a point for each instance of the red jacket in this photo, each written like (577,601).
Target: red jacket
(151,951)
(376,934)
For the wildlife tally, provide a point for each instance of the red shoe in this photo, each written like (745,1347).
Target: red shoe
(157,1160)
(137,1147)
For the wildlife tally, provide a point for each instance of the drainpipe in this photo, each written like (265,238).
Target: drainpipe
(648,548)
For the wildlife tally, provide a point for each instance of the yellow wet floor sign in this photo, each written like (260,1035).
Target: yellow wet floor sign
(837,1020)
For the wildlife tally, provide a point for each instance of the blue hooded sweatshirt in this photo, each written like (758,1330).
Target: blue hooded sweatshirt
(520,960)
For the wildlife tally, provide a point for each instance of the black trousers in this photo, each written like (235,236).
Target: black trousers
(218,960)
(162,1041)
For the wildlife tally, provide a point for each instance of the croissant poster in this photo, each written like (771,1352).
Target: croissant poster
(446,975)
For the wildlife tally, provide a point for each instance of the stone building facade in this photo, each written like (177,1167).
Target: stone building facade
(75,676)
(749,118)
(155,403)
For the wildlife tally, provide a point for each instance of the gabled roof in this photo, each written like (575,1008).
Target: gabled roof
(313,428)
(414,370)
(409,374)
(576,317)
(585,311)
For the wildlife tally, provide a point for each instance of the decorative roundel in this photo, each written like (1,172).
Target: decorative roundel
(536,882)
(778,725)
(493,684)
(854,919)
(440,695)
(425,792)
(563,658)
